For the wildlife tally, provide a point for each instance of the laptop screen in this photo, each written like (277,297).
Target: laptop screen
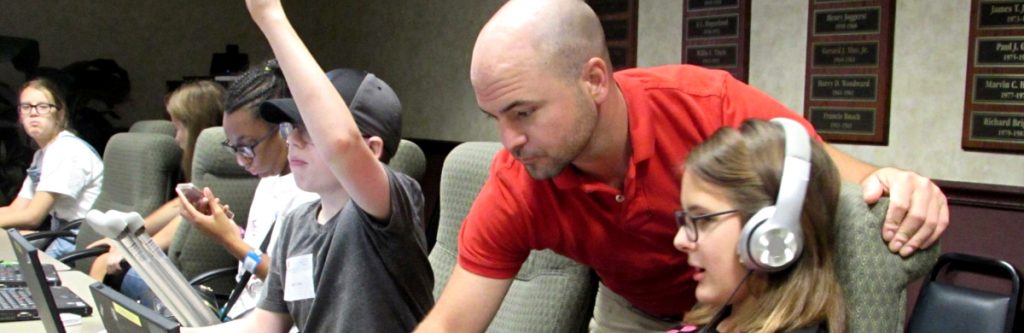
(122,315)
(32,271)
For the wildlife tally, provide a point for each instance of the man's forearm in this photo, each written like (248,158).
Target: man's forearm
(231,326)
(850,169)
(259,321)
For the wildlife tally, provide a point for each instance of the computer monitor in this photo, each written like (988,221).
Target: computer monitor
(122,315)
(32,270)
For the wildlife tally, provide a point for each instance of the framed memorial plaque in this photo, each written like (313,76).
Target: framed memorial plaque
(849,69)
(832,120)
(723,56)
(844,88)
(845,54)
(994,104)
(716,34)
(847,21)
(619,18)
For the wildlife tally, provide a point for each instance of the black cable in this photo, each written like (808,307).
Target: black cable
(233,297)
(726,309)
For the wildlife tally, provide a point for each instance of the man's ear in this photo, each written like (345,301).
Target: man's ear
(376,145)
(596,77)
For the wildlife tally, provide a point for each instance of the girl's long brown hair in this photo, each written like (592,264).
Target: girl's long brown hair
(197,105)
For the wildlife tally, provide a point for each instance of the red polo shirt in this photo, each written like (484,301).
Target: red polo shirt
(625,236)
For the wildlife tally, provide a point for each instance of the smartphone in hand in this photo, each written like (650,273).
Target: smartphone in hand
(189,192)
(195,197)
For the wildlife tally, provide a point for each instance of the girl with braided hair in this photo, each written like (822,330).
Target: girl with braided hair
(263,153)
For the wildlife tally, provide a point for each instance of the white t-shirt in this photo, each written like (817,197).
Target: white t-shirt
(70,168)
(275,197)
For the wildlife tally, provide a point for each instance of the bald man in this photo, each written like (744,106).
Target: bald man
(590,170)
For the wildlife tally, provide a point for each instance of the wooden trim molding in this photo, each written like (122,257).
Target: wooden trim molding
(983,195)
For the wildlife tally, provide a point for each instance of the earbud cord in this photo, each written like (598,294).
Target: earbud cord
(726,309)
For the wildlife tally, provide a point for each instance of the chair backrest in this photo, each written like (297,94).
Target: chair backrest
(874,280)
(551,293)
(409,159)
(192,250)
(944,306)
(158,126)
(139,174)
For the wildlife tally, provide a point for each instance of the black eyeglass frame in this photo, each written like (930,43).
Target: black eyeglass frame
(26,109)
(248,151)
(689,223)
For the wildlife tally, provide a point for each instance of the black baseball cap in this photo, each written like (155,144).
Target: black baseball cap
(371,101)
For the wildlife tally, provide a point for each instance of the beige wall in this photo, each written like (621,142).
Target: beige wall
(929,71)
(657,42)
(422,48)
(154,41)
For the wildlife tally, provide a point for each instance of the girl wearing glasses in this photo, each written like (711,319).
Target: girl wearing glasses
(192,108)
(728,179)
(66,173)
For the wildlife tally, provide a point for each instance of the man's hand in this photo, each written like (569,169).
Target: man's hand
(918,213)
(217,224)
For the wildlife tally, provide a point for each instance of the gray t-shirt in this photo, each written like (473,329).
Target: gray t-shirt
(366,275)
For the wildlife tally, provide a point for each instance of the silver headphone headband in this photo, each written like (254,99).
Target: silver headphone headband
(772,239)
(795,173)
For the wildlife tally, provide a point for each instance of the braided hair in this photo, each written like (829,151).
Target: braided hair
(255,86)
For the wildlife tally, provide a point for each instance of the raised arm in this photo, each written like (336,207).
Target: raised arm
(467,304)
(327,118)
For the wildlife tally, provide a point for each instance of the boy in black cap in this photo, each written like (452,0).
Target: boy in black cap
(355,261)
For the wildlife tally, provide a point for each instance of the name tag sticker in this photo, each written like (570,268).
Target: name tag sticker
(298,282)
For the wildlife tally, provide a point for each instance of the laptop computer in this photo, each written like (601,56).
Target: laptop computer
(121,314)
(42,302)
(10,275)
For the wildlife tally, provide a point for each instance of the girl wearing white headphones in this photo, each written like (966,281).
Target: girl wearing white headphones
(726,182)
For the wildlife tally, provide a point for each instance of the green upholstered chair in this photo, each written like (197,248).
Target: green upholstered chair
(192,250)
(159,126)
(551,293)
(874,280)
(139,174)
(410,160)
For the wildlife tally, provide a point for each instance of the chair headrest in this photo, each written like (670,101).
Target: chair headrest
(409,159)
(159,126)
(210,158)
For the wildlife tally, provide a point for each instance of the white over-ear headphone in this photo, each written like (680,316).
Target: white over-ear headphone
(772,239)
